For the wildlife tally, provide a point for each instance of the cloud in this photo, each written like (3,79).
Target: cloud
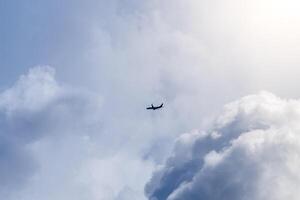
(59,142)
(194,56)
(35,107)
(251,152)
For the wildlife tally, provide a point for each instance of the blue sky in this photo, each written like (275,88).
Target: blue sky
(34,32)
(76,76)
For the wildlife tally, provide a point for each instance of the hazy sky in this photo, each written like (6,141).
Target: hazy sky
(77,75)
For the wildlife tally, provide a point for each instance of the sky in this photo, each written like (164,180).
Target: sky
(76,77)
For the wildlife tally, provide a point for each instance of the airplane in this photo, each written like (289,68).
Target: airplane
(155,107)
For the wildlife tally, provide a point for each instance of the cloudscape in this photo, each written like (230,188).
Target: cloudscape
(77,77)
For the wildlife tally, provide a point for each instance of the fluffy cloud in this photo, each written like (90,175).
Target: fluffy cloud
(251,152)
(58,142)
(37,107)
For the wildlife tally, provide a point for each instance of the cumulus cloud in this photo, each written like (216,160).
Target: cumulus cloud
(251,152)
(58,142)
(35,107)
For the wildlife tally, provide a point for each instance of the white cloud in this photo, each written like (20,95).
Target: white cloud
(255,156)
(32,91)
(55,144)
(35,107)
